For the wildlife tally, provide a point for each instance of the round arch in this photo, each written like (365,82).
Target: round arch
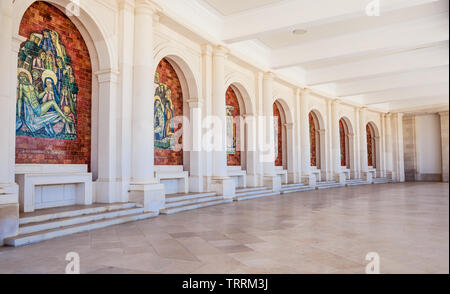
(373,145)
(317,139)
(346,132)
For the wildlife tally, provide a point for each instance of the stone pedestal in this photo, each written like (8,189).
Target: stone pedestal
(225,187)
(273,182)
(368,177)
(341,178)
(9,211)
(310,180)
(151,196)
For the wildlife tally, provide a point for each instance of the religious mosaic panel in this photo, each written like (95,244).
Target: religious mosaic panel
(369,146)
(343,143)
(54,90)
(168,105)
(313,142)
(278,136)
(47,89)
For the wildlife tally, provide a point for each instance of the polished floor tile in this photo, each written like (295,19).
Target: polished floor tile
(327,232)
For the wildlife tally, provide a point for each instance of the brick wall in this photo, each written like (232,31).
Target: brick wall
(30,150)
(277,114)
(231,100)
(168,76)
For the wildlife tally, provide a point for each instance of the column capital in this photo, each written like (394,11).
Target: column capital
(17,40)
(363,109)
(107,75)
(289,125)
(221,51)
(127,5)
(269,76)
(147,7)
(443,113)
(336,101)
(195,103)
(207,50)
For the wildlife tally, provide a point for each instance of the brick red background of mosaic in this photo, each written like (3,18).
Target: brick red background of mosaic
(343,143)
(277,114)
(38,17)
(231,100)
(168,76)
(312,132)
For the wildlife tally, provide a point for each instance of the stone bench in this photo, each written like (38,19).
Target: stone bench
(47,186)
(174,178)
(239,176)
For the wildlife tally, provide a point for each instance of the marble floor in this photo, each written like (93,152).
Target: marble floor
(328,231)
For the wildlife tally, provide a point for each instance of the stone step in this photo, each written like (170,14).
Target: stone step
(193,201)
(243,190)
(295,190)
(181,197)
(328,185)
(358,182)
(255,196)
(76,212)
(382,181)
(76,220)
(242,194)
(293,186)
(182,208)
(60,232)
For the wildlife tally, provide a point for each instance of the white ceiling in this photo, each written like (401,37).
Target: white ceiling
(397,60)
(229,7)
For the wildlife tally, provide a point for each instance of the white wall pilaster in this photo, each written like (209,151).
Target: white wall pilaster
(363,143)
(444,141)
(195,157)
(144,188)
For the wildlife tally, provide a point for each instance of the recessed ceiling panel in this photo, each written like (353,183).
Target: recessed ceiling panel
(229,7)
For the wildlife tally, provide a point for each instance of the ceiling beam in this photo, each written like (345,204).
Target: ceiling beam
(420,59)
(403,80)
(410,34)
(400,94)
(300,14)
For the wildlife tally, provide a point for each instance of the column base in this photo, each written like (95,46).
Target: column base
(341,178)
(310,180)
(368,177)
(293,178)
(225,187)
(253,181)
(151,196)
(196,184)
(110,192)
(9,211)
(273,182)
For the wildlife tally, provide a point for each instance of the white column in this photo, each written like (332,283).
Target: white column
(252,151)
(444,142)
(291,153)
(259,80)
(329,141)
(388,148)
(383,146)
(398,151)
(298,133)
(271,180)
(9,48)
(195,157)
(144,188)
(107,189)
(222,184)
(307,177)
(358,170)
(336,143)
(207,74)
(363,145)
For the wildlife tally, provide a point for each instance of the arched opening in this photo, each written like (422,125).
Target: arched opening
(345,132)
(371,147)
(280,135)
(54,100)
(234,136)
(314,133)
(172,125)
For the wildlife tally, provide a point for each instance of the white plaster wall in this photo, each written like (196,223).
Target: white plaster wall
(428,142)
